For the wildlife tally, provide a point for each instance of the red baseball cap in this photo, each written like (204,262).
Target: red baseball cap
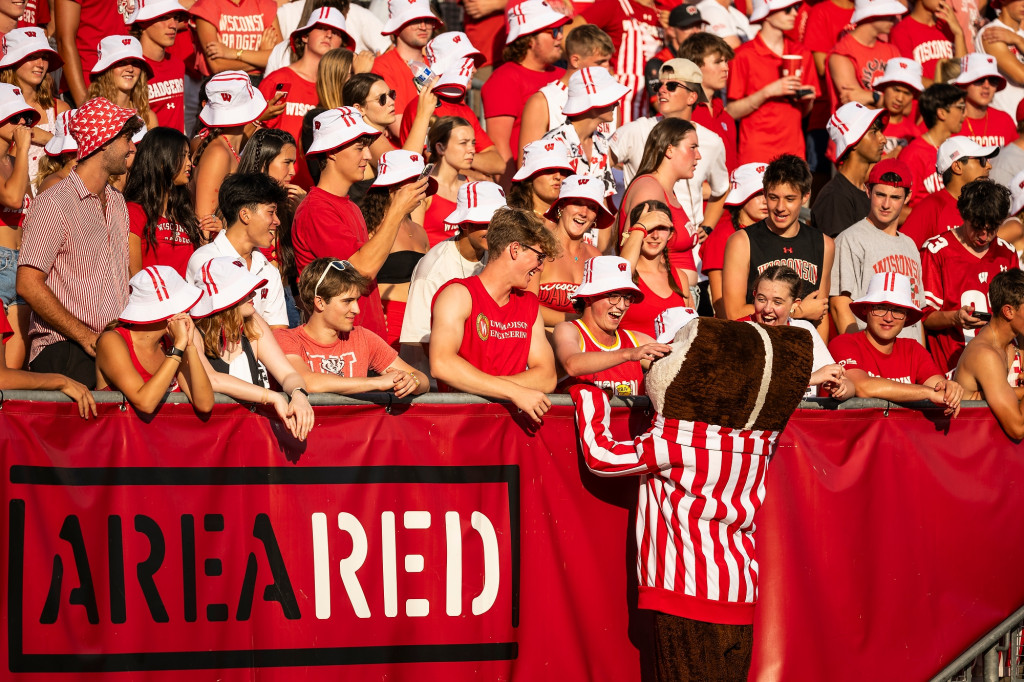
(894,166)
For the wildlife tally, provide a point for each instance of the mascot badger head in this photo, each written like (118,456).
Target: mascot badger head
(739,375)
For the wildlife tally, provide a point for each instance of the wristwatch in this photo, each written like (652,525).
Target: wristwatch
(175,353)
(302,391)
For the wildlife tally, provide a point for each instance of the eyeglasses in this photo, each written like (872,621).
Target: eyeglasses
(541,256)
(621,298)
(961,107)
(339,265)
(654,86)
(383,99)
(881,310)
(556,32)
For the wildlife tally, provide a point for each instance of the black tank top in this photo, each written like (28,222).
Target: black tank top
(805,253)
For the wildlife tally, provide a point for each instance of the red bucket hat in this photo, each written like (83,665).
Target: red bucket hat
(97,122)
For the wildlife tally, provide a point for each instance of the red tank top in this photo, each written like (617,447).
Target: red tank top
(126,334)
(622,380)
(496,339)
(680,247)
(641,316)
(433,220)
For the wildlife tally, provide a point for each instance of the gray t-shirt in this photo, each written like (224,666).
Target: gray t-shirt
(1007,163)
(863,250)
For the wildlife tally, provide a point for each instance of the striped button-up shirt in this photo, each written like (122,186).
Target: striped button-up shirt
(83,252)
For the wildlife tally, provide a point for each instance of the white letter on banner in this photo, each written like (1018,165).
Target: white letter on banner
(453,587)
(492,571)
(387,550)
(321,567)
(349,566)
(416,520)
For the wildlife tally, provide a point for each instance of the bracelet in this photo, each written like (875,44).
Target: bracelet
(266,395)
(176,353)
(638,227)
(238,54)
(300,390)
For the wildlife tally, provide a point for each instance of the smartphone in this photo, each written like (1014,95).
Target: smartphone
(425,172)
(280,88)
(986,317)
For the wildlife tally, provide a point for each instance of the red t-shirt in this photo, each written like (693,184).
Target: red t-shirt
(994,129)
(301,98)
(167,91)
(173,247)
(239,26)
(924,44)
(899,135)
(641,315)
(933,215)
(392,68)
(329,226)
(496,338)
(953,278)
(908,363)
(826,23)
(37,13)
(868,63)
(446,108)
(920,157)
(721,123)
(353,355)
(623,380)
(775,128)
(97,20)
(506,91)
(712,251)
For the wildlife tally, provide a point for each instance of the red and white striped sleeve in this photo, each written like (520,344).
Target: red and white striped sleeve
(44,234)
(604,455)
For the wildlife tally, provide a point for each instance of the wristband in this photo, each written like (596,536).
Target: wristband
(302,391)
(638,227)
(176,353)
(707,229)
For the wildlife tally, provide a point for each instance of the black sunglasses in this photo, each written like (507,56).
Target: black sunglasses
(383,99)
(671,86)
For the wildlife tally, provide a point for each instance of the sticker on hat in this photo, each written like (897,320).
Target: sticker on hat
(476,202)
(157,293)
(888,288)
(399,166)
(335,128)
(529,17)
(592,88)
(225,282)
(606,274)
(402,12)
(231,101)
(97,122)
(586,188)
(116,50)
(325,17)
(20,44)
(543,155)
(961,148)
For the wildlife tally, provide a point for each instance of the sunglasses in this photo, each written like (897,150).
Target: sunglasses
(541,256)
(991,80)
(382,100)
(557,31)
(654,86)
(339,265)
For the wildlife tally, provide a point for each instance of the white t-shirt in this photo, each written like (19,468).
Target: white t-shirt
(360,23)
(725,21)
(442,264)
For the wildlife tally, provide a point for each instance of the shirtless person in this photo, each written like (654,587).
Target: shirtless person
(984,367)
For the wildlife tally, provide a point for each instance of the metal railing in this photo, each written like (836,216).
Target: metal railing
(996,656)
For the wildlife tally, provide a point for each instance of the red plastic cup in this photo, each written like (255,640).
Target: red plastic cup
(792,65)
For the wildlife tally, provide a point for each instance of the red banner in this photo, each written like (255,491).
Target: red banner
(456,542)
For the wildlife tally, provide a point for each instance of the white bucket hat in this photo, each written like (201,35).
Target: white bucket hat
(903,71)
(231,101)
(746,181)
(158,293)
(890,288)
(668,323)
(22,43)
(592,88)
(12,103)
(762,8)
(397,166)
(605,274)
(147,10)
(586,188)
(402,12)
(848,126)
(327,17)
(337,127)
(113,50)
(876,9)
(224,282)
(1017,194)
(476,203)
(532,16)
(62,142)
(960,147)
(453,56)
(975,66)
(543,155)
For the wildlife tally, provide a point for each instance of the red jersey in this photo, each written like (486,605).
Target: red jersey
(392,68)
(953,278)
(718,120)
(923,44)
(240,25)
(868,63)
(446,108)
(173,247)
(496,338)
(506,91)
(37,13)
(622,380)
(775,128)
(641,315)
(826,23)
(920,157)
(167,91)
(97,20)
(994,129)
(434,223)
(712,251)
(908,363)
(329,226)
(301,98)
(932,216)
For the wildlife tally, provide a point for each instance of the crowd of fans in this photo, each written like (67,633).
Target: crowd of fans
(266,199)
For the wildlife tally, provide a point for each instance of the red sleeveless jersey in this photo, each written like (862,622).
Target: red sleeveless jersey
(622,380)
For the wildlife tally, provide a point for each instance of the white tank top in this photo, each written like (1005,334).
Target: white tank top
(556,94)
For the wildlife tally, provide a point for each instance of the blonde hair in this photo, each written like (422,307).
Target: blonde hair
(103,86)
(226,327)
(334,71)
(44,93)
(48,165)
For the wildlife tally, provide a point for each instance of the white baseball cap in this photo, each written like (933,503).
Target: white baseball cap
(452,56)
(887,288)
(62,142)
(12,103)
(147,10)
(975,66)
(402,12)
(327,17)
(746,181)
(605,274)
(668,323)
(592,88)
(231,100)
(397,166)
(21,43)
(960,147)
(1017,193)
(876,9)
(476,203)
(543,155)
(224,282)
(337,127)
(903,71)
(532,16)
(113,50)
(848,126)
(157,293)
(762,8)
(585,188)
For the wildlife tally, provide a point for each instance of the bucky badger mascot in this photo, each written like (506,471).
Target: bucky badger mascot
(722,398)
